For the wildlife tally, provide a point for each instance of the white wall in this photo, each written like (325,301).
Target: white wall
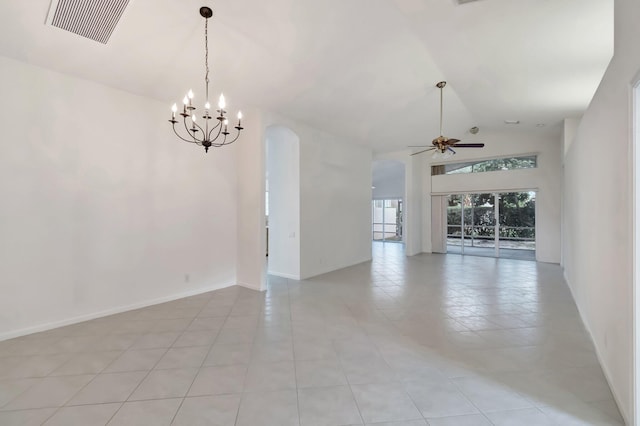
(283,165)
(335,202)
(251,234)
(103,209)
(545,179)
(597,215)
(569,128)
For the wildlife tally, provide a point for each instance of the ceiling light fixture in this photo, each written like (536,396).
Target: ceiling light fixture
(442,146)
(203,135)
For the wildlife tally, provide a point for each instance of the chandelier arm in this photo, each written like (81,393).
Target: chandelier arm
(184,120)
(178,135)
(235,139)
(200,128)
(221,144)
(189,132)
(219,127)
(213,128)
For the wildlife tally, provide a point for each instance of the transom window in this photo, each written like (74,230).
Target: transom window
(492,165)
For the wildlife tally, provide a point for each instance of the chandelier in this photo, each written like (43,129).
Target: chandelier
(205,135)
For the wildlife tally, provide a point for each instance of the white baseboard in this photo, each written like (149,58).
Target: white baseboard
(250,286)
(605,368)
(112,311)
(283,275)
(336,268)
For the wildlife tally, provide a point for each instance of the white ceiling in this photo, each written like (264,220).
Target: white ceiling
(365,69)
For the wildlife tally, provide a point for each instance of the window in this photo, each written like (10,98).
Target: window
(496,164)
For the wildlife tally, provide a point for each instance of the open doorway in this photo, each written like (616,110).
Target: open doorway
(282,202)
(387,204)
(387,220)
(492,224)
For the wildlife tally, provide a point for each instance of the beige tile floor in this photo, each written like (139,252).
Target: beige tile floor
(430,340)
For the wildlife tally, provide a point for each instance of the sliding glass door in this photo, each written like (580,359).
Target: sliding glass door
(517,221)
(485,224)
(387,220)
(481,230)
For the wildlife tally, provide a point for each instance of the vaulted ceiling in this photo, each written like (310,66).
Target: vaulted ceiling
(364,69)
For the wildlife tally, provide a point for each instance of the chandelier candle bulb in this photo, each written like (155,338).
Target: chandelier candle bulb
(174,109)
(190,96)
(239,118)
(222,103)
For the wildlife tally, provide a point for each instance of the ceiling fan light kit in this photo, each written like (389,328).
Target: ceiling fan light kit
(442,145)
(216,136)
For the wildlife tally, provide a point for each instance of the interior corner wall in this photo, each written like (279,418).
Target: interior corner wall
(283,166)
(570,125)
(597,220)
(103,209)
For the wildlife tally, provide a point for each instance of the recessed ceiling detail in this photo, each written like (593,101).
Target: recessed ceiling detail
(93,19)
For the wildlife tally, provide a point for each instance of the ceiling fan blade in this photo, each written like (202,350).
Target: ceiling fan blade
(449,148)
(452,141)
(424,150)
(469,145)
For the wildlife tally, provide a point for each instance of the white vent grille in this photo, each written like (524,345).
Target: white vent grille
(93,19)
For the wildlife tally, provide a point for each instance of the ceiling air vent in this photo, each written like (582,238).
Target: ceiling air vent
(465,1)
(93,19)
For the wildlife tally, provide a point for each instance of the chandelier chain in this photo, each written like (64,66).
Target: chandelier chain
(206,55)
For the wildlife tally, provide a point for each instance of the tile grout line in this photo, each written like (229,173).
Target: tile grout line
(295,368)
(152,369)
(203,360)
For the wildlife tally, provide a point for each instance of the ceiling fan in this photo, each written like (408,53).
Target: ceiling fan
(442,145)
